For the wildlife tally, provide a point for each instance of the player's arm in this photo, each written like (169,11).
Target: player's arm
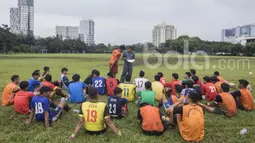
(43,77)
(236,94)
(31,116)
(109,122)
(175,105)
(46,119)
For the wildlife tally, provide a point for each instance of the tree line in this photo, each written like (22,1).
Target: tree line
(10,42)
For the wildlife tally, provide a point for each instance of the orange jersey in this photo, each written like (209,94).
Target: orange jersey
(8,94)
(115,56)
(217,86)
(151,119)
(221,79)
(192,124)
(175,99)
(246,99)
(111,84)
(228,104)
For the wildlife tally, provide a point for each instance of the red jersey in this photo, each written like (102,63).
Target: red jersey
(162,80)
(209,91)
(111,84)
(21,102)
(172,85)
(199,82)
(48,84)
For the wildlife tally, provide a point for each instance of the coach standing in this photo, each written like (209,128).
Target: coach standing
(128,57)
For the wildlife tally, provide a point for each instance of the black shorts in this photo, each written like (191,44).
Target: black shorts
(96,132)
(217,110)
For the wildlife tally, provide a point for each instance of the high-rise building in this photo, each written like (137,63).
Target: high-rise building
(68,32)
(26,16)
(14,20)
(238,34)
(87,28)
(163,32)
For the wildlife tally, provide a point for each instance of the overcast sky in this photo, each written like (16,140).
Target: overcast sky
(132,21)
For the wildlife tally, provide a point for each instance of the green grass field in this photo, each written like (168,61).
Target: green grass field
(217,128)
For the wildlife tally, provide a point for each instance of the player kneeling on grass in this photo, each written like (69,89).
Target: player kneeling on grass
(153,122)
(117,105)
(243,97)
(9,91)
(22,99)
(41,107)
(147,96)
(190,119)
(94,115)
(225,101)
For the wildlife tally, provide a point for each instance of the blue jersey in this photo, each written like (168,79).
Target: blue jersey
(99,84)
(32,84)
(75,89)
(186,91)
(41,104)
(115,104)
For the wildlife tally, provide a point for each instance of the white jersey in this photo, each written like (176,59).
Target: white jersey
(140,84)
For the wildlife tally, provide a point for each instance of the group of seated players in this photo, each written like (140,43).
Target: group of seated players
(161,104)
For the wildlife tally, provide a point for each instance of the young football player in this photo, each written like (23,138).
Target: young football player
(46,71)
(64,78)
(173,99)
(42,110)
(221,79)
(174,82)
(243,97)
(158,87)
(162,78)
(140,82)
(22,99)
(111,84)
(225,102)
(216,83)
(55,90)
(193,73)
(116,54)
(77,90)
(128,89)
(98,83)
(208,89)
(10,90)
(147,96)
(33,82)
(93,116)
(196,85)
(117,106)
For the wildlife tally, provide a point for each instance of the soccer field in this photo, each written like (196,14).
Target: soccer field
(217,128)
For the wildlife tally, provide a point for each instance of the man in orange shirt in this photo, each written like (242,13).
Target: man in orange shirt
(114,59)
(225,102)
(10,90)
(243,97)
(174,82)
(221,79)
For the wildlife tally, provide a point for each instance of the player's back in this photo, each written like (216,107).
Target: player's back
(128,91)
(111,84)
(93,113)
(115,104)
(210,91)
(140,84)
(40,104)
(158,88)
(99,84)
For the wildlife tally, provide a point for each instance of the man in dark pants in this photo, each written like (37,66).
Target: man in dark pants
(128,66)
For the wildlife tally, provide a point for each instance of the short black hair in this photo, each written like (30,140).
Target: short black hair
(23,85)
(194,78)
(93,71)
(225,87)
(160,74)
(36,73)
(46,68)
(109,74)
(14,77)
(117,90)
(122,47)
(141,74)
(193,71)
(76,77)
(157,78)
(56,83)
(216,73)
(175,75)
(214,78)
(188,74)
(93,93)
(128,78)
(130,47)
(97,73)
(147,85)
(207,78)
(64,70)
(48,78)
(193,96)
(178,88)
(243,82)
(189,84)
(44,89)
